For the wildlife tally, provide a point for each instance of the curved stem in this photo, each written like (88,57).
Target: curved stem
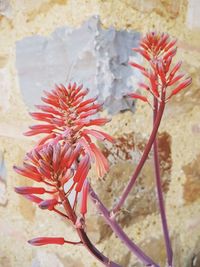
(83,236)
(94,251)
(110,220)
(160,194)
(148,147)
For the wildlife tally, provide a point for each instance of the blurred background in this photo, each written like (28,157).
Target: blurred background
(44,42)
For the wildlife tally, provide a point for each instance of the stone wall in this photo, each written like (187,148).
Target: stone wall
(179,134)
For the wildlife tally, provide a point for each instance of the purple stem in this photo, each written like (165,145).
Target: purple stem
(83,236)
(119,232)
(94,251)
(160,194)
(148,147)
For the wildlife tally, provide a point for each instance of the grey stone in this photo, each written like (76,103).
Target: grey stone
(91,55)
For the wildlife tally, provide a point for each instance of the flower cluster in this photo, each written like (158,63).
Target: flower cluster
(62,159)
(66,118)
(159,50)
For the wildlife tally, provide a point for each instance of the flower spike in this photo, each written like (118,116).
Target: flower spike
(66,115)
(159,50)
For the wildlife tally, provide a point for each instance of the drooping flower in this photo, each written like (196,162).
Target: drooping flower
(159,50)
(54,165)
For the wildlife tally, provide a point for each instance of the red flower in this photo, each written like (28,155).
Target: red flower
(64,156)
(66,116)
(159,50)
(55,166)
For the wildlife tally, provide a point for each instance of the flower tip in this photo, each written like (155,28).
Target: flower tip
(30,242)
(135,49)
(14,167)
(48,204)
(17,189)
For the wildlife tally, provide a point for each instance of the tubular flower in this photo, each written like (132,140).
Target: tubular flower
(62,158)
(55,166)
(41,241)
(159,50)
(67,115)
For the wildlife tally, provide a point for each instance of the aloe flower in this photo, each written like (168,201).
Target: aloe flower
(159,50)
(162,82)
(67,120)
(63,157)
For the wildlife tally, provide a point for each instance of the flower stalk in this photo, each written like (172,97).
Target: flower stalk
(160,194)
(143,159)
(110,220)
(79,226)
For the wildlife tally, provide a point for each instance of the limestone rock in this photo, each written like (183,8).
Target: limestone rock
(91,55)
(192,183)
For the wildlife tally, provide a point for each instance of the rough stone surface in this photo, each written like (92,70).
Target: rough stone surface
(192,183)
(96,57)
(193,14)
(3,192)
(21,221)
(123,156)
(46,259)
(5,8)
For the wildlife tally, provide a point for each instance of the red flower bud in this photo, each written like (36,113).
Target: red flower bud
(180,87)
(143,98)
(135,65)
(24,172)
(26,190)
(84,198)
(48,204)
(33,198)
(41,241)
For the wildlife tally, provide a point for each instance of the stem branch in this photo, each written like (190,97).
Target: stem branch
(152,137)
(119,232)
(83,236)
